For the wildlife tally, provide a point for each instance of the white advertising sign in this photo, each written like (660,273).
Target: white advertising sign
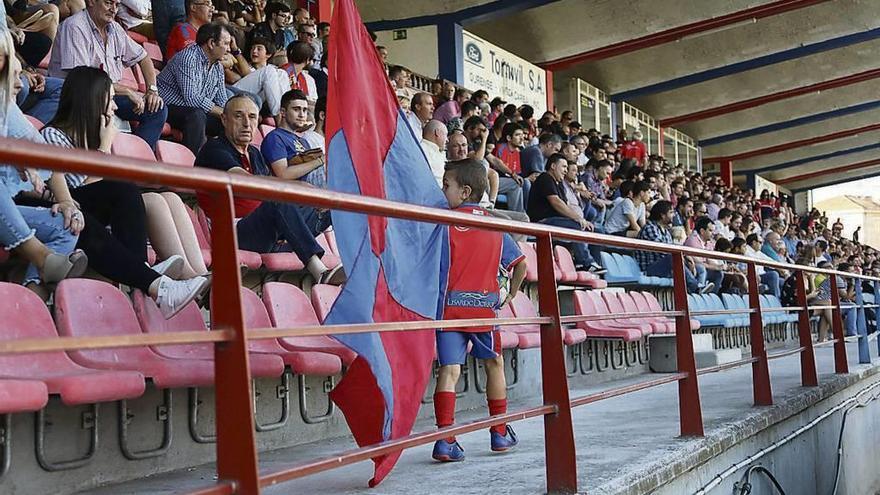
(762,183)
(503,74)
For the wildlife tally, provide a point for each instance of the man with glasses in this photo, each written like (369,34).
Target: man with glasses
(309,34)
(276,27)
(94,39)
(198,13)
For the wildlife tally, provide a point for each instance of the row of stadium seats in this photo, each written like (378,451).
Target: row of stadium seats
(704,302)
(624,270)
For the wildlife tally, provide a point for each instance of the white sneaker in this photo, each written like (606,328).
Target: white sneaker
(172,267)
(174,295)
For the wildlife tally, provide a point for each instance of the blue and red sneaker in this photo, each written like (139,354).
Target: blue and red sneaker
(500,442)
(448,451)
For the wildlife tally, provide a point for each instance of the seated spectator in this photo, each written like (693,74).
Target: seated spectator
(577,195)
(78,44)
(33,31)
(286,149)
(261,78)
(594,177)
(192,84)
(547,206)
(627,216)
(421,111)
(532,158)
(136,16)
(307,33)
(85,120)
(457,149)
(400,80)
(434,137)
(299,55)
(656,264)
(262,223)
(767,276)
(452,108)
(198,13)
(722,224)
(42,237)
(701,238)
(276,28)
(39,94)
(507,160)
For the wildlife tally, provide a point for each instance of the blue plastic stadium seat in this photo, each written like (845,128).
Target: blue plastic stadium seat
(615,274)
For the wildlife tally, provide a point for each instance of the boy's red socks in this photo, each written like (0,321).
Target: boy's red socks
(444,410)
(498,406)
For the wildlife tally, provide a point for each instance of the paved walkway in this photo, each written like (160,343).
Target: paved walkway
(616,440)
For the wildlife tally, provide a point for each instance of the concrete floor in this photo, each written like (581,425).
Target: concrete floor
(617,440)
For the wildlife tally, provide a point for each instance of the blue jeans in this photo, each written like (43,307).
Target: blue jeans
(22,223)
(270,222)
(150,124)
(580,250)
(43,105)
(663,268)
(716,277)
(771,279)
(514,193)
(166,13)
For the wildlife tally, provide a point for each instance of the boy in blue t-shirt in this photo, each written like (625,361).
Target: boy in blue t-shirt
(473,292)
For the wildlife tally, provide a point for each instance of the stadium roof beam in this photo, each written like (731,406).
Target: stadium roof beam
(765,99)
(677,33)
(793,144)
(809,159)
(746,65)
(470,15)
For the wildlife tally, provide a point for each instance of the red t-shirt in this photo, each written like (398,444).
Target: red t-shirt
(182,35)
(636,150)
(510,157)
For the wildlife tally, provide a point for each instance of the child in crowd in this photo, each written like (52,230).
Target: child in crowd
(473,291)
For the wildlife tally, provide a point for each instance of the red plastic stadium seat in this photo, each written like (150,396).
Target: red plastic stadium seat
(600,306)
(18,396)
(250,259)
(200,236)
(266,129)
(330,258)
(509,338)
(289,307)
(631,305)
(91,308)
(652,305)
(44,64)
(323,296)
(529,334)
(528,250)
(257,139)
(25,317)
(569,274)
(155,54)
(615,306)
(131,146)
(282,262)
(174,154)
(128,79)
(300,362)
(523,308)
(137,37)
(35,122)
(151,256)
(187,320)
(585,305)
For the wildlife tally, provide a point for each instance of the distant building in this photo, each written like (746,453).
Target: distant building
(854,212)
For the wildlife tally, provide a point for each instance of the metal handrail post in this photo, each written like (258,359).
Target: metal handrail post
(840,364)
(762,392)
(559,447)
(809,376)
(690,410)
(236,441)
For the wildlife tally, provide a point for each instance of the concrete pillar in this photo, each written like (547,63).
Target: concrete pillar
(450,52)
(661,145)
(727,172)
(325,10)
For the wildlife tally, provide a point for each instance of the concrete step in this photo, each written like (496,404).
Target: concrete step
(705,359)
(663,355)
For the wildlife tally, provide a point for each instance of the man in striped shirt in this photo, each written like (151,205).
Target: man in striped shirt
(193,87)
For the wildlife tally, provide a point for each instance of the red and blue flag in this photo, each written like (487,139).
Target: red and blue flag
(396,268)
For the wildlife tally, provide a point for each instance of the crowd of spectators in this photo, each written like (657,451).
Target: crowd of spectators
(230,67)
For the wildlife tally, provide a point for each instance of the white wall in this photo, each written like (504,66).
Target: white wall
(418,52)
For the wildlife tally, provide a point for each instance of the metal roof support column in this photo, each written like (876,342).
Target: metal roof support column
(450,52)
(727,172)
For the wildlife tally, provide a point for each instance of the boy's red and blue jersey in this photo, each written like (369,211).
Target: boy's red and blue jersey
(472,289)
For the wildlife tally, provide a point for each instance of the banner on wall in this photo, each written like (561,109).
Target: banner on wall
(762,183)
(503,74)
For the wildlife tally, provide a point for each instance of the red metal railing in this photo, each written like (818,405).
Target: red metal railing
(237,460)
